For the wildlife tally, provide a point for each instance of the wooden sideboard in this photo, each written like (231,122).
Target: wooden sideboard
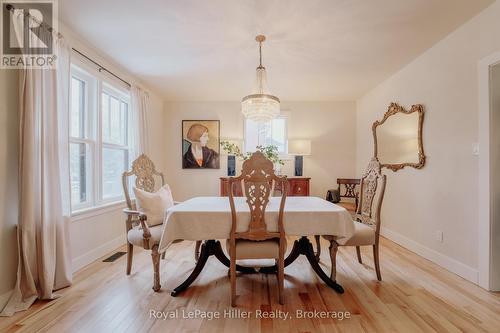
(297,186)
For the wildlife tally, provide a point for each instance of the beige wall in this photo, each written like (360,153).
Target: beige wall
(9,144)
(443,195)
(330,126)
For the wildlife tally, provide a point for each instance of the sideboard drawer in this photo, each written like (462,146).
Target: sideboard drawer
(299,187)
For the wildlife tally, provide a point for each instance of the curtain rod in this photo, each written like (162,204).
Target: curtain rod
(101,68)
(10,7)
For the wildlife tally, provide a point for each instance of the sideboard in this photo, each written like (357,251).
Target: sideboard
(297,186)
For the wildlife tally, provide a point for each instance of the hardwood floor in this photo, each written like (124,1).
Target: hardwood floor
(414,296)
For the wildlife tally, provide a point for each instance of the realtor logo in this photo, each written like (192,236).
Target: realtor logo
(28,32)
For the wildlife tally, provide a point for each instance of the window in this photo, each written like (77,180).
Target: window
(115,151)
(270,133)
(99,140)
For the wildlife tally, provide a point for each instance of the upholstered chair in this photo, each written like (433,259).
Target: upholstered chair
(367,217)
(140,232)
(257,242)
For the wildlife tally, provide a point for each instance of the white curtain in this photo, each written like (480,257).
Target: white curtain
(139,121)
(44,261)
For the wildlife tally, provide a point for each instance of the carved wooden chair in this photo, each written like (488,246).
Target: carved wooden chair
(350,192)
(139,233)
(257,242)
(367,218)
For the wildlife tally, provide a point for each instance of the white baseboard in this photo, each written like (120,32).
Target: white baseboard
(452,265)
(94,254)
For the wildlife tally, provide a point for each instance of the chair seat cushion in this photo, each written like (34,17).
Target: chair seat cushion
(135,235)
(246,249)
(350,206)
(363,235)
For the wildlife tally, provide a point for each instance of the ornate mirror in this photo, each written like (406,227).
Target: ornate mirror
(398,137)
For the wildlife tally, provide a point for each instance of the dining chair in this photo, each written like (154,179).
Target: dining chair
(139,233)
(337,196)
(257,242)
(367,218)
(349,195)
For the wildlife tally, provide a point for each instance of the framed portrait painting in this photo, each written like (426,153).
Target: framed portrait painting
(200,144)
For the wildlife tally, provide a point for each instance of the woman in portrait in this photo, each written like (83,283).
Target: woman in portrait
(198,155)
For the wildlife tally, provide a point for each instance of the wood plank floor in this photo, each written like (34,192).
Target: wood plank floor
(414,296)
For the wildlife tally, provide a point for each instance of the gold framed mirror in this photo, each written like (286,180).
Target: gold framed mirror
(398,137)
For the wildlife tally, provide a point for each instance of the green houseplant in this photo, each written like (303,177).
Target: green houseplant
(270,151)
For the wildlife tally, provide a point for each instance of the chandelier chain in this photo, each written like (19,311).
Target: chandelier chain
(260,54)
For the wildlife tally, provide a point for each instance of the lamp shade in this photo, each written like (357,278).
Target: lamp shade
(299,147)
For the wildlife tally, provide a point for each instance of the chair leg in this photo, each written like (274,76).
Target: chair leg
(333,257)
(130,255)
(232,276)
(281,278)
(377,262)
(155,256)
(197,247)
(358,252)
(318,246)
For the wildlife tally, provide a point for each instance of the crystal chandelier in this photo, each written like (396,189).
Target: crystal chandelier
(260,106)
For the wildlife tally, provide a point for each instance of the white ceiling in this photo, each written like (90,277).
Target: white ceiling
(316,49)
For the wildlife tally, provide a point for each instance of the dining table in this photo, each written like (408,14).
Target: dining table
(208,219)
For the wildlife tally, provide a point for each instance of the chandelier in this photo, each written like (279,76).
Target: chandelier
(260,106)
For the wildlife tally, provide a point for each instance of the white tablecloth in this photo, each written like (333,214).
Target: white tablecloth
(205,218)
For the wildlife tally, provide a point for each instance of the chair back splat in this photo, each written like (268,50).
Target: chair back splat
(144,171)
(257,178)
(371,195)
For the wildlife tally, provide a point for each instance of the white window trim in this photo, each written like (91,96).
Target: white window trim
(98,205)
(86,213)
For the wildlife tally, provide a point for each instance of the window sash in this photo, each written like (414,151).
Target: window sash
(88,184)
(126,152)
(283,151)
(82,123)
(109,113)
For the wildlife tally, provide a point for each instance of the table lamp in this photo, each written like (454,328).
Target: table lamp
(231,159)
(299,148)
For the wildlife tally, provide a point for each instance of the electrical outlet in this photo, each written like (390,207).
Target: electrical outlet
(438,235)
(475,149)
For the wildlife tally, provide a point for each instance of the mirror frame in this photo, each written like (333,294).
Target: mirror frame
(395,108)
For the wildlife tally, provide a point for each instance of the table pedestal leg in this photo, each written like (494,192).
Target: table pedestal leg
(208,248)
(317,238)
(304,246)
